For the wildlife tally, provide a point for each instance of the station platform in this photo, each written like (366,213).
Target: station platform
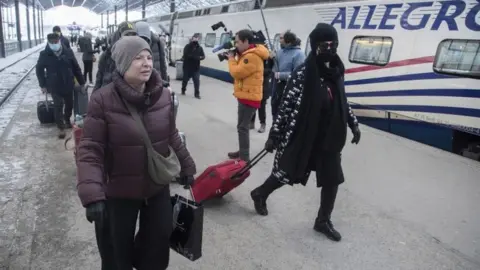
(404,205)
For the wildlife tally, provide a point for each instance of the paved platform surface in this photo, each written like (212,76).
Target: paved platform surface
(403,206)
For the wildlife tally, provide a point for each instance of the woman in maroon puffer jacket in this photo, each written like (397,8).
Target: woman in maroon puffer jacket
(113,180)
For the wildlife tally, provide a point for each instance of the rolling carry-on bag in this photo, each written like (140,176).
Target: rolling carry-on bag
(179,70)
(217,180)
(45,111)
(80,101)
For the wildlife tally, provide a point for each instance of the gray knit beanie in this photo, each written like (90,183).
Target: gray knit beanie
(126,49)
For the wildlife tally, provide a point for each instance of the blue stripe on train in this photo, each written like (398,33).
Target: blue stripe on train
(468,93)
(399,78)
(217,74)
(422,132)
(424,108)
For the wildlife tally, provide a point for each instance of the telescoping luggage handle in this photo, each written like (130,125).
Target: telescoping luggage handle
(46,100)
(250,164)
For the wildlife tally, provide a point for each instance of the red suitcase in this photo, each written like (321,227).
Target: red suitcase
(217,180)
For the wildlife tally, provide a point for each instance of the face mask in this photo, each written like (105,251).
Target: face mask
(327,52)
(54,47)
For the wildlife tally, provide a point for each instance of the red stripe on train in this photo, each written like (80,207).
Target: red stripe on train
(408,62)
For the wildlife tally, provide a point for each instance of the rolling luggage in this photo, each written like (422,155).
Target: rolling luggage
(80,101)
(179,70)
(45,111)
(217,180)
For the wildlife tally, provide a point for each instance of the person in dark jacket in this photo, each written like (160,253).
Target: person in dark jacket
(262,111)
(63,39)
(87,57)
(106,66)
(158,48)
(310,129)
(102,154)
(192,55)
(56,70)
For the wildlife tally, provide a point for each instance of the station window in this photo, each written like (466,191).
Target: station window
(371,50)
(210,40)
(458,57)
(225,37)
(276,42)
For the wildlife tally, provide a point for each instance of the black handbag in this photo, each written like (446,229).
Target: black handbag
(187,233)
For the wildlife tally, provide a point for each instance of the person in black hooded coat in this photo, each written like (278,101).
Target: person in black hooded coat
(310,129)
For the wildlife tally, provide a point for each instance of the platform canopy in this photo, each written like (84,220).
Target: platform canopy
(102,6)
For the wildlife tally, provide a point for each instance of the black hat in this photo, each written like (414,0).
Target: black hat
(322,32)
(52,36)
(126,28)
(56,28)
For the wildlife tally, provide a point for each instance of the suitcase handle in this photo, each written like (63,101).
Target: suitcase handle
(250,164)
(46,100)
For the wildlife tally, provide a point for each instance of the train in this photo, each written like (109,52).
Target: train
(412,67)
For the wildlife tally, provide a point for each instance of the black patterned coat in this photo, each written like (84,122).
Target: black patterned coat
(284,124)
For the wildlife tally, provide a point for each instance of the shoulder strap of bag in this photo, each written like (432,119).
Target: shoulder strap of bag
(136,116)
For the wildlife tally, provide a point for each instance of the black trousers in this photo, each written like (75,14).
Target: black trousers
(88,69)
(195,76)
(262,113)
(105,246)
(63,107)
(150,249)
(327,201)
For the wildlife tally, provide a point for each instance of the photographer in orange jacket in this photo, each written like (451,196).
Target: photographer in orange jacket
(247,71)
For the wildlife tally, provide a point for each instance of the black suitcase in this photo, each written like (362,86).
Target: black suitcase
(80,101)
(45,111)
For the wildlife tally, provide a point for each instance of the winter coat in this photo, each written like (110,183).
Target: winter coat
(247,73)
(192,55)
(65,41)
(87,49)
(288,59)
(106,65)
(112,157)
(57,73)
(158,52)
(284,127)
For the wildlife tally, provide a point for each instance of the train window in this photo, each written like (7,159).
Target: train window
(225,37)
(458,57)
(276,42)
(210,40)
(371,50)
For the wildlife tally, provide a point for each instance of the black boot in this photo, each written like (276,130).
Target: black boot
(326,227)
(259,202)
(323,223)
(261,193)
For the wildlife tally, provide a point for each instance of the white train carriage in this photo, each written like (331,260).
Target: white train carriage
(413,67)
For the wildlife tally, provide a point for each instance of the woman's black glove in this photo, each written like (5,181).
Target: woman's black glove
(269,146)
(356,134)
(186,181)
(96,212)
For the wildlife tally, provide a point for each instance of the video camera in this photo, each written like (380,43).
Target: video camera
(258,38)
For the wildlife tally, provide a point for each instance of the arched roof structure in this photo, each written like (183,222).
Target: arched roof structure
(157,7)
